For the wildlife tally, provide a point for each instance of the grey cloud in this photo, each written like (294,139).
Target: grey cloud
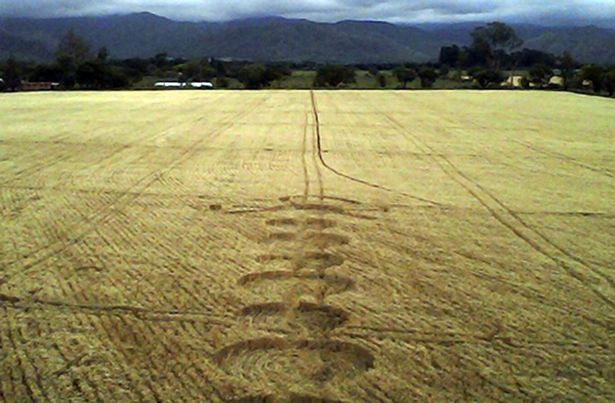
(327,10)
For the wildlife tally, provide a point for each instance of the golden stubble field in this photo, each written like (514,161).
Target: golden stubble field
(297,246)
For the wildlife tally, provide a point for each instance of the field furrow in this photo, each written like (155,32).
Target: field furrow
(291,246)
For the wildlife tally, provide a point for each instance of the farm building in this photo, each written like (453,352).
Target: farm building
(169,84)
(175,84)
(39,86)
(513,82)
(556,81)
(202,85)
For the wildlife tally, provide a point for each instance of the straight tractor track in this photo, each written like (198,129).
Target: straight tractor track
(565,158)
(307,244)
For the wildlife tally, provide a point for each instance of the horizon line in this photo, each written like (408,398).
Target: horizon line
(606,24)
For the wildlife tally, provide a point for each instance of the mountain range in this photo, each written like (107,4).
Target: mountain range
(282,39)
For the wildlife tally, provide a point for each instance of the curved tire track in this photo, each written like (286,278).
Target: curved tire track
(352,178)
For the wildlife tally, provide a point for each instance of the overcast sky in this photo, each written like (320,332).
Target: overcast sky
(536,11)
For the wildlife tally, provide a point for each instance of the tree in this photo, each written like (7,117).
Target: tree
(47,72)
(103,55)
(256,76)
(73,47)
(222,82)
(91,74)
(497,35)
(609,82)
(275,72)
(493,40)
(428,76)
(540,73)
(219,67)
(595,74)
(568,67)
(252,76)
(198,70)
(72,51)
(12,75)
(333,76)
(116,77)
(161,60)
(382,80)
(486,77)
(405,75)
(449,55)
(443,71)
(531,57)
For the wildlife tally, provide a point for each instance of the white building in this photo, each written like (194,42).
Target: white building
(513,82)
(556,81)
(205,85)
(169,84)
(174,84)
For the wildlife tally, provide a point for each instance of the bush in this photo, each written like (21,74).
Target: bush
(444,71)
(405,75)
(595,74)
(609,82)
(252,76)
(333,76)
(96,75)
(117,78)
(486,78)
(382,80)
(428,77)
(222,82)
(43,72)
(540,73)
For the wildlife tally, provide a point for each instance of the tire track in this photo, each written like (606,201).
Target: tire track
(316,165)
(35,168)
(7,379)
(299,348)
(76,382)
(144,387)
(352,178)
(35,371)
(507,217)
(22,367)
(306,177)
(102,214)
(157,175)
(565,158)
(145,314)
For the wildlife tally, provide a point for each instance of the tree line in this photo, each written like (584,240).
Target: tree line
(495,51)
(496,47)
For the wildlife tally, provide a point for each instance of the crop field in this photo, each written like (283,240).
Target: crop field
(324,246)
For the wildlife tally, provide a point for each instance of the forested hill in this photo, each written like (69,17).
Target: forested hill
(280,39)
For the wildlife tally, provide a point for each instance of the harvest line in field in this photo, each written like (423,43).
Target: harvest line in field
(305,246)
(508,217)
(252,267)
(349,177)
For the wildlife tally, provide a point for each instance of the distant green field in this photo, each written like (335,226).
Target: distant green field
(304,79)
